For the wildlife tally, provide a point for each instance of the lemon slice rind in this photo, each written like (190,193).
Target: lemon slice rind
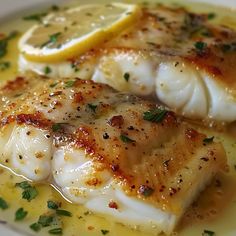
(82,44)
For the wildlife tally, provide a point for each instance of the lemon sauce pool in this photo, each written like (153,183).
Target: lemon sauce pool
(214,211)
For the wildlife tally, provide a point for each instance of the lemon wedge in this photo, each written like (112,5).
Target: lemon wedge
(69,33)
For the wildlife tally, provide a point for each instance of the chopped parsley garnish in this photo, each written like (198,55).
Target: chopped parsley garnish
(208,233)
(36,227)
(52,205)
(152,44)
(87,213)
(126,139)
(29,192)
(211,16)
(146,191)
(45,220)
(4,43)
(53,85)
(20,214)
(3,47)
(12,35)
(155,115)
(52,39)
(70,83)
(4,65)
(56,231)
(47,70)
(23,185)
(92,107)
(206,32)
(57,126)
(55,8)
(35,17)
(104,231)
(3,204)
(208,140)
(61,212)
(18,95)
(75,67)
(225,47)
(228,47)
(126,76)
(200,46)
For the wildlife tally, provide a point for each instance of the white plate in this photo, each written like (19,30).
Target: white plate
(11,8)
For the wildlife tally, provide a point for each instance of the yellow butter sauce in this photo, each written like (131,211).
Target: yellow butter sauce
(215,209)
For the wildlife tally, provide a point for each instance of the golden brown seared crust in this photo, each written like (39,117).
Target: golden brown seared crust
(157,159)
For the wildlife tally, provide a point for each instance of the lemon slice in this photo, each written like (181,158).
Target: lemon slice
(69,33)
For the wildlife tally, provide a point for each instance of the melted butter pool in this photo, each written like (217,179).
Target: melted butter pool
(215,210)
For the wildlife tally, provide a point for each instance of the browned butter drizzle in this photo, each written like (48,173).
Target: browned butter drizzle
(215,209)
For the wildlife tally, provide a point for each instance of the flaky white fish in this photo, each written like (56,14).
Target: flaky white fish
(171,54)
(117,154)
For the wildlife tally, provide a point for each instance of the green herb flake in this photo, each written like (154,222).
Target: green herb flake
(156,115)
(30,194)
(52,39)
(211,16)
(3,47)
(18,95)
(87,213)
(152,44)
(126,76)
(52,205)
(56,231)
(4,65)
(55,8)
(3,204)
(61,212)
(35,17)
(4,43)
(208,140)
(69,84)
(200,46)
(146,191)
(126,139)
(53,85)
(23,185)
(36,227)
(75,67)
(105,231)
(206,33)
(45,220)
(228,47)
(20,214)
(92,107)
(47,70)
(225,47)
(56,127)
(208,233)
(12,34)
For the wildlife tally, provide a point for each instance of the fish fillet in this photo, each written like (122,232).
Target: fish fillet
(117,154)
(171,54)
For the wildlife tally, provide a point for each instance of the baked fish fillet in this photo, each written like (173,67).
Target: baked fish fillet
(171,54)
(115,153)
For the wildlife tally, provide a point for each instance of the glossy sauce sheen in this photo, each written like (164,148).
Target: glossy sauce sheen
(217,216)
